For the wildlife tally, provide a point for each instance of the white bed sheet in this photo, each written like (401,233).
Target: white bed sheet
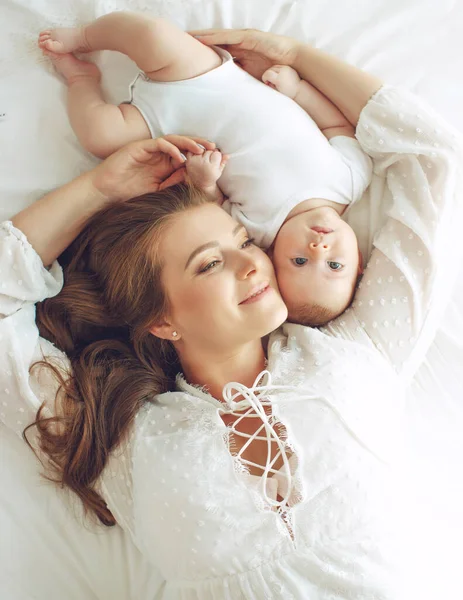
(46,553)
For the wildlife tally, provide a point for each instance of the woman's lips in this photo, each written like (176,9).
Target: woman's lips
(322,229)
(257,295)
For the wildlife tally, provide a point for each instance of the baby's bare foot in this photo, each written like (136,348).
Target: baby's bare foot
(63,40)
(71,68)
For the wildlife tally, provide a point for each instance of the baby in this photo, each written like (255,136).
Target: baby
(289,177)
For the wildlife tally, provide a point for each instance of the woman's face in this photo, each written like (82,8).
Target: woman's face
(221,288)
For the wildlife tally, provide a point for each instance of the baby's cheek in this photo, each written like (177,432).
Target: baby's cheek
(276,254)
(284,284)
(286,274)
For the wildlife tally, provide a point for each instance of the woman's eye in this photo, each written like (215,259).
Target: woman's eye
(209,266)
(248,243)
(335,266)
(299,261)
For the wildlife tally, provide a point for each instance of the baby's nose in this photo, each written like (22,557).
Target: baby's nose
(320,246)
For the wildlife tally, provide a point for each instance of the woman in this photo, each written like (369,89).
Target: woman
(264,470)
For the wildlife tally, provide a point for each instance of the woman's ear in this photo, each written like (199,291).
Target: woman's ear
(360,269)
(165,331)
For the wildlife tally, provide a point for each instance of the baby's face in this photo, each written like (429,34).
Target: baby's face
(317,261)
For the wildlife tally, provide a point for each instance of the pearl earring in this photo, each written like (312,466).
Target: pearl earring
(174,334)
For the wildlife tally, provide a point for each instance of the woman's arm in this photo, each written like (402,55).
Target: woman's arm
(348,87)
(408,281)
(54,221)
(51,223)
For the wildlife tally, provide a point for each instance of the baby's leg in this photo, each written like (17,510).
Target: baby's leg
(160,49)
(101,128)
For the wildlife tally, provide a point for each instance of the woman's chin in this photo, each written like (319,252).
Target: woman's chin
(275,316)
(264,313)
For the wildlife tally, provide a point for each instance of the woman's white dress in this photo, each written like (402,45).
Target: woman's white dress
(334,522)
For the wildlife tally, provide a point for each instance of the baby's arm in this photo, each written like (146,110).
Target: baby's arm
(326,115)
(204,170)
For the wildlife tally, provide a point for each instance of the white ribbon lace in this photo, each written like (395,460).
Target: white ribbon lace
(256,409)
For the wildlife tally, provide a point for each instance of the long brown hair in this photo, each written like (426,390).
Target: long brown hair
(111,296)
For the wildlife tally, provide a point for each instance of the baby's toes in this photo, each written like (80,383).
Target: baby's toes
(43,37)
(53,46)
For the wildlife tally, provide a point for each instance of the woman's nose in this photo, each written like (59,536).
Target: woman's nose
(246,268)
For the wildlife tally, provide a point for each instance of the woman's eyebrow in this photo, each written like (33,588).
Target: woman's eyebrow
(198,250)
(238,228)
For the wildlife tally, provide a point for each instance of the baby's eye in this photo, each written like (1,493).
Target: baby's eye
(299,261)
(335,266)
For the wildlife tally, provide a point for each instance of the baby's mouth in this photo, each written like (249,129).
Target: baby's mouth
(322,229)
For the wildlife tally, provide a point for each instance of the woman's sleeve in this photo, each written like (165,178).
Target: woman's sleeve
(416,255)
(23,282)
(118,481)
(137,480)
(23,278)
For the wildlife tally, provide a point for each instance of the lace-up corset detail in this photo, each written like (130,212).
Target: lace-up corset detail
(244,404)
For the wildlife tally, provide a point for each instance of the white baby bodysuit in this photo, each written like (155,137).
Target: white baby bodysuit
(278,155)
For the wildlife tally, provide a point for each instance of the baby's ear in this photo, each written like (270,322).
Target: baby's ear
(360,268)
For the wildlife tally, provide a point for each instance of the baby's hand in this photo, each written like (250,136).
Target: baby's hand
(205,169)
(282,78)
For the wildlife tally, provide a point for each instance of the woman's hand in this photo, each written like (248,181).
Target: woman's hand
(54,221)
(145,166)
(256,51)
